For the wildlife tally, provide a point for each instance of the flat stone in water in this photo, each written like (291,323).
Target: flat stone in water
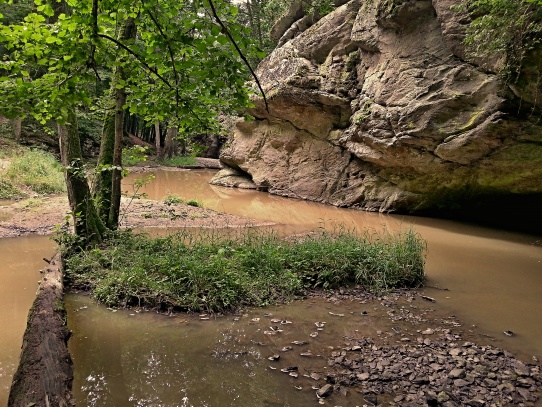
(324,391)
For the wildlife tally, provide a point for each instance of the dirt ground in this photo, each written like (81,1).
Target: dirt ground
(41,215)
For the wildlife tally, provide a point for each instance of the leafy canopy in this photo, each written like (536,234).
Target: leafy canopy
(182,66)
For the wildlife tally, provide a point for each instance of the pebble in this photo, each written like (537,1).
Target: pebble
(324,391)
(438,372)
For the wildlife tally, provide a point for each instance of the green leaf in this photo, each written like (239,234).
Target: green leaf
(46,9)
(222,39)
(215,30)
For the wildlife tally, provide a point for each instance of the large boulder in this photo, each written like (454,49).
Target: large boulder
(375,107)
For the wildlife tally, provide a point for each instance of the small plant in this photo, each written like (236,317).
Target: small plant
(134,155)
(173,200)
(193,202)
(364,112)
(137,185)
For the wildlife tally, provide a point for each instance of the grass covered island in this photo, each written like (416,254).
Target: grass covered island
(219,271)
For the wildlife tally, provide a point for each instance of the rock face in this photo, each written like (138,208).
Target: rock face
(374,107)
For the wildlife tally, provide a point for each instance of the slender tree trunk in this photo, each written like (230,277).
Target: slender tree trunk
(17,127)
(258,21)
(159,151)
(251,20)
(114,209)
(107,184)
(88,224)
(170,141)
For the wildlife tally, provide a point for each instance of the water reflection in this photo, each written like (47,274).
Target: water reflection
(128,359)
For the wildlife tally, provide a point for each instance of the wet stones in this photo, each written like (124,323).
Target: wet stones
(441,373)
(417,359)
(324,391)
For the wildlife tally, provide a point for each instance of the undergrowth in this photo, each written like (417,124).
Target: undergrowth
(217,271)
(8,190)
(179,161)
(173,199)
(35,169)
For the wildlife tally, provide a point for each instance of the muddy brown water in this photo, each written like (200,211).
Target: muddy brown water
(22,258)
(123,358)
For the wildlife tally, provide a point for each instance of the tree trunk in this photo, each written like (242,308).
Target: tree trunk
(159,152)
(108,178)
(17,127)
(87,223)
(170,141)
(114,209)
(45,373)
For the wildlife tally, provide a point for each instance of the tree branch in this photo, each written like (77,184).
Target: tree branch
(138,57)
(155,21)
(228,34)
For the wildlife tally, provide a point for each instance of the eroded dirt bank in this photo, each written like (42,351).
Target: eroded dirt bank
(45,373)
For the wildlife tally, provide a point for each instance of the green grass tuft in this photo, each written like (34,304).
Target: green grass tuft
(222,271)
(194,202)
(36,169)
(173,199)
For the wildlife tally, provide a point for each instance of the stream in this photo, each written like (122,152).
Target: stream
(488,278)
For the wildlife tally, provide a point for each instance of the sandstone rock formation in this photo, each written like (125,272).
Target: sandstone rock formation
(375,107)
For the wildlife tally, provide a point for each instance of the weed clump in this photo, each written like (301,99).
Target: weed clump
(36,169)
(8,190)
(221,271)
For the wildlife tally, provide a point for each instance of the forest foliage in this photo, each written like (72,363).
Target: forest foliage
(504,32)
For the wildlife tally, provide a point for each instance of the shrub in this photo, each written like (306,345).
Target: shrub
(134,155)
